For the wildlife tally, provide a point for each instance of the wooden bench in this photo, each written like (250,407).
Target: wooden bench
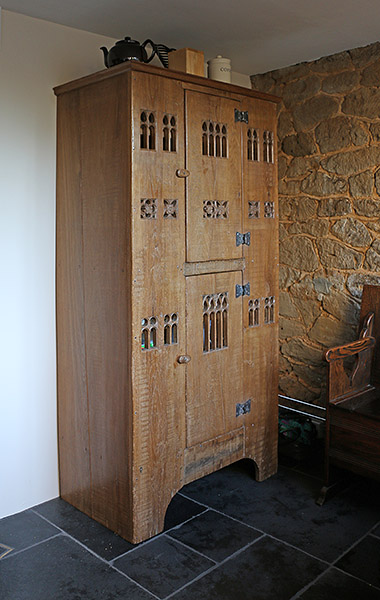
(353,398)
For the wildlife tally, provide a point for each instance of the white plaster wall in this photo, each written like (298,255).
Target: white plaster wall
(35,55)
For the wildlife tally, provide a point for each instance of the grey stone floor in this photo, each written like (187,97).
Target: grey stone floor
(226,536)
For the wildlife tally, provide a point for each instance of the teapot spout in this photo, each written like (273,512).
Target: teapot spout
(105,52)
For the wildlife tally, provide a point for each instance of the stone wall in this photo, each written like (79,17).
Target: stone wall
(329,203)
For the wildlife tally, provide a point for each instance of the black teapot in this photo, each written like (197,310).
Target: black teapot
(128,49)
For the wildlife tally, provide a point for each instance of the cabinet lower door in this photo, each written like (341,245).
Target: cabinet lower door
(214,342)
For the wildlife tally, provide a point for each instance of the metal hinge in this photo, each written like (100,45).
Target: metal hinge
(243,238)
(243,408)
(243,290)
(241,116)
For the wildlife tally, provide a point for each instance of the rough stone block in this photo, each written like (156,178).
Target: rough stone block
(303,208)
(374,225)
(291,73)
(349,163)
(284,207)
(341,82)
(375,131)
(364,55)
(334,207)
(333,63)
(363,102)
(361,184)
(282,232)
(301,90)
(301,144)
(311,376)
(333,254)
(313,111)
(301,351)
(293,388)
(322,285)
(321,184)
(284,125)
(287,306)
(308,305)
(301,166)
(372,258)
(353,232)
(329,332)
(290,328)
(359,132)
(287,276)
(289,188)
(366,207)
(371,75)
(356,281)
(377,183)
(314,227)
(263,82)
(341,306)
(334,134)
(299,252)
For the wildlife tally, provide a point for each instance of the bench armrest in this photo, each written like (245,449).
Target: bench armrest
(342,382)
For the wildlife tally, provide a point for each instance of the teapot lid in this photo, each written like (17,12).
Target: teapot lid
(128,40)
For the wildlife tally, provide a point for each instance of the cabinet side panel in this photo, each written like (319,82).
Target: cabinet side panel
(158,218)
(260,309)
(105,130)
(74,456)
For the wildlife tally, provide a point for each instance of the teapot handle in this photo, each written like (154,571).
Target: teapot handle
(154,49)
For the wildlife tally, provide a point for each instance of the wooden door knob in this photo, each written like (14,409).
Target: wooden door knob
(182,173)
(184,359)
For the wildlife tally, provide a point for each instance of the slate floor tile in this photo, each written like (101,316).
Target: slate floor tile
(267,569)
(181,509)
(23,530)
(363,560)
(215,535)
(284,506)
(60,569)
(163,566)
(99,539)
(335,585)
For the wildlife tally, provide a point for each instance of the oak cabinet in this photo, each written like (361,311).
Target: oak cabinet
(167,287)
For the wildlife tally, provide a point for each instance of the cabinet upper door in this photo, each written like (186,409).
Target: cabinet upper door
(213,157)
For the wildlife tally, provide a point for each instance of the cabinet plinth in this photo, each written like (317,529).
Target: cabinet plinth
(167,288)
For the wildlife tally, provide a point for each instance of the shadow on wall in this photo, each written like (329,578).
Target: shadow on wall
(329,202)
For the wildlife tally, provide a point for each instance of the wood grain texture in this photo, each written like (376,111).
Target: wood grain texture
(188,61)
(371,303)
(262,259)
(158,290)
(105,185)
(73,426)
(213,266)
(207,85)
(205,458)
(214,378)
(214,184)
(135,260)
(352,438)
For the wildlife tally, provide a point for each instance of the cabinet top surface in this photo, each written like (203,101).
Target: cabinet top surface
(129,66)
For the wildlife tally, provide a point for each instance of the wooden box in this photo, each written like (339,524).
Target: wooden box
(188,61)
